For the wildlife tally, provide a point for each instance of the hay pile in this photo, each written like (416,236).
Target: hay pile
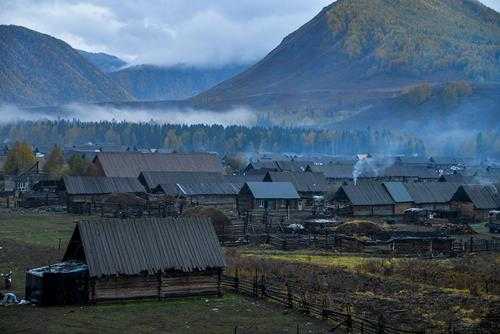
(359,228)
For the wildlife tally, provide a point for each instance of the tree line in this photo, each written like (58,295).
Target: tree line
(214,138)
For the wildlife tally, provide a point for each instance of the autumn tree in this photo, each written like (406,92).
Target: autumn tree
(78,165)
(19,158)
(54,166)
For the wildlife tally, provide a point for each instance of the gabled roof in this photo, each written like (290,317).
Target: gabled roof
(271,190)
(482,196)
(93,185)
(368,193)
(398,192)
(131,164)
(303,182)
(431,192)
(131,247)
(333,171)
(152,179)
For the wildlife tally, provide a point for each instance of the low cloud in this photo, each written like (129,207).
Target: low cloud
(91,113)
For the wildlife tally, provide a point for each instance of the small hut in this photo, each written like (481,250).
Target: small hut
(147,258)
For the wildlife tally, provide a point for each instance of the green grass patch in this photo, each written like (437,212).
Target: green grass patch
(37,230)
(311,257)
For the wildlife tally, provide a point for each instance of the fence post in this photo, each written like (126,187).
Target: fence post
(237,281)
(324,308)
(348,320)
(262,287)
(381,325)
(298,329)
(255,292)
(289,296)
(235,329)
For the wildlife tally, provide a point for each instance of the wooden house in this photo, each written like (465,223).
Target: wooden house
(476,201)
(147,258)
(222,196)
(82,193)
(131,164)
(311,187)
(267,196)
(400,195)
(364,199)
(432,196)
(335,173)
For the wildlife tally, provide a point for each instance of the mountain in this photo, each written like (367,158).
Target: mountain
(106,63)
(358,58)
(39,70)
(149,82)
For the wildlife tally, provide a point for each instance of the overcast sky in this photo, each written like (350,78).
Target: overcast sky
(195,32)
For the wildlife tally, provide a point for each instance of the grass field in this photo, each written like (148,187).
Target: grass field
(189,316)
(28,241)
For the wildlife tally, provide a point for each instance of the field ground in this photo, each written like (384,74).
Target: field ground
(27,241)
(412,291)
(189,316)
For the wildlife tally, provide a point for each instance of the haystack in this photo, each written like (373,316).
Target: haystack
(359,228)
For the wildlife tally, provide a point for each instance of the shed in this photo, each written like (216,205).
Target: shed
(433,196)
(83,192)
(148,258)
(364,199)
(268,196)
(476,201)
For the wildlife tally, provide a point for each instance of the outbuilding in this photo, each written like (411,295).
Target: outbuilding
(143,258)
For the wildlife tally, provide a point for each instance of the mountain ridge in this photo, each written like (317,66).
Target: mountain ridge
(39,70)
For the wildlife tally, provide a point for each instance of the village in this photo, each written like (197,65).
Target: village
(316,235)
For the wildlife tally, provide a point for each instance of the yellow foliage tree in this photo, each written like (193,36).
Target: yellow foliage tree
(19,158)
(55,162)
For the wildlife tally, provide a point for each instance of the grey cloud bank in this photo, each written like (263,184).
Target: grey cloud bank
(166,32)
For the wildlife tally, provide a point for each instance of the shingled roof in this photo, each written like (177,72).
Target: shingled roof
(303,182)
(482,196)
(271,190)
(152,179)
(131,247)
(431,192)
(131,164)
(367,193)
(94,185)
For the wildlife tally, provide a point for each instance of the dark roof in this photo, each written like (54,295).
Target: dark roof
(333,171)
(152,179)
(303,182)
(193,189)
(482,196)
(292,165)
(131,164)
(408,170)
(271,190)
(88,185)
(263,164)
(369,193)
(398,192)
(130,247)
(431,192)
(457,178)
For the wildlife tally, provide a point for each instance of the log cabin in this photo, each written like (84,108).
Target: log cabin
(267,196)
(476,201)
(146,258)
(82,193)
(364,199)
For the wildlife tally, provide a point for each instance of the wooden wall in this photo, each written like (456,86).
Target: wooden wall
(155,286)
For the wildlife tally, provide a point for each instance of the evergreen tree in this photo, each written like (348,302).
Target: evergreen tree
(54,166)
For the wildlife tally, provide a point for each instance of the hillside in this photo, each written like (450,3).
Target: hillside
(360,56)
(149,82)
(104,62)
(37,69)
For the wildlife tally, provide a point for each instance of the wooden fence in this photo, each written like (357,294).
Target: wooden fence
(342,317)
